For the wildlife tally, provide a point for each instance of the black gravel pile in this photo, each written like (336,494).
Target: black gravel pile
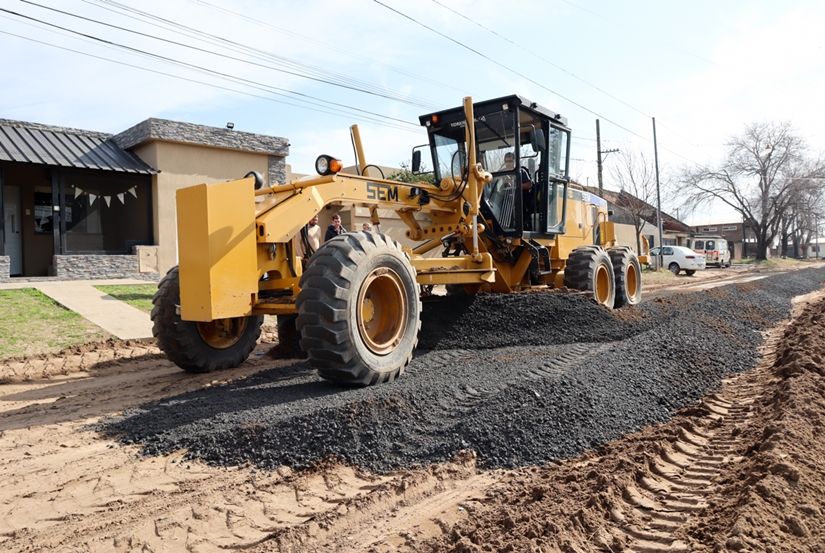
(521,379)
(500,320)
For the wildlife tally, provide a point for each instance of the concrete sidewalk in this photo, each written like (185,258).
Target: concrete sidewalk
(117,318)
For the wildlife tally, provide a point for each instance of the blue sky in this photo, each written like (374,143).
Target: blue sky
(703,69)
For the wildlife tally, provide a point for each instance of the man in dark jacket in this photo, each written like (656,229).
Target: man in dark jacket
(335,229)
(528,201)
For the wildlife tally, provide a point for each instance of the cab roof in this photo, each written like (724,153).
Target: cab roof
(491,105)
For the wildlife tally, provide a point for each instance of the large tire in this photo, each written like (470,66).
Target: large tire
(674,268)
(359,309)
(589,269)
(200,347)
(289,340)
(628,273)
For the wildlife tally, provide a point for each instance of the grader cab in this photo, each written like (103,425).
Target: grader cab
(501,210)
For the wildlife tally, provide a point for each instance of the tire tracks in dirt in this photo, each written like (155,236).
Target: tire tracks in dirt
(682,475)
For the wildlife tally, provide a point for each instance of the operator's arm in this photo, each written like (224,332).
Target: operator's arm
(526,182)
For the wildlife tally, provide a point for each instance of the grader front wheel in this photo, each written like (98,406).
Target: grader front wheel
(199,347)
(359,310)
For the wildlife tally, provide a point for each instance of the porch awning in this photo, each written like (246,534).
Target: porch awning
(55,146)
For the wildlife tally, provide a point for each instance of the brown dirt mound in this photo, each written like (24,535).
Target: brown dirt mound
(739,472)
(92,357)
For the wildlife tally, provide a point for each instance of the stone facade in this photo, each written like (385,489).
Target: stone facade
(277,170)
(189,133)
(99,267)
(5,268)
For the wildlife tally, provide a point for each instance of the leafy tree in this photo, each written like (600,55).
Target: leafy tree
(405,174)
(764,175)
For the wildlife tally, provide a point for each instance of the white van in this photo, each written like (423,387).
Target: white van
(715,249)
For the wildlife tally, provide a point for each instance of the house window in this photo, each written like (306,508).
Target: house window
(709,229)
(734,227)
(43,210)
(104,214)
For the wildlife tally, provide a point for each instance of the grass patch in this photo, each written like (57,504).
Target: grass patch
(139,295)
(653,276)
(32,323)
(775,262)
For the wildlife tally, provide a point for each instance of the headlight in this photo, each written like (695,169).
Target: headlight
(327,165)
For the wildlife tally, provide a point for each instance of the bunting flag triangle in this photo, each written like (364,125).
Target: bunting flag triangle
(108,200)
(122,197)
(92,198)
(77,192)
(133,191)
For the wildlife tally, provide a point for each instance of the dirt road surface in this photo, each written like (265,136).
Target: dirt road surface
(739,470)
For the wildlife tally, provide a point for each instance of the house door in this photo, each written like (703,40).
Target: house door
(14,240)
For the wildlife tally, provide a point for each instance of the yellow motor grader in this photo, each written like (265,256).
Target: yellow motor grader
(501,209)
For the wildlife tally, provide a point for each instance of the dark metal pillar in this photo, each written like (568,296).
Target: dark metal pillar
(2,216)
(599,158)
(56,211)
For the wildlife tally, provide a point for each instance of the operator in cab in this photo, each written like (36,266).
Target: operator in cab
(527,201)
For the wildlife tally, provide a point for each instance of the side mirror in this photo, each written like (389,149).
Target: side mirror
(537,140)
(259,179)
(416,161)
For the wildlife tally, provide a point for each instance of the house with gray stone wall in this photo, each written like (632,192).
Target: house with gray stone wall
(78,204)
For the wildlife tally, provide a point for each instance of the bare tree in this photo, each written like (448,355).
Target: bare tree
(799,222)
(635,176)
(761,178)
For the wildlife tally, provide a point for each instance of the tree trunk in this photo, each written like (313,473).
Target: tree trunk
(761,245)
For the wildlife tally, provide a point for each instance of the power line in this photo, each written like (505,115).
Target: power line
(203,69)
(212,85)
(561,69)
(523,76)
(178,28)
(324,44)
(233,58)
(539,57)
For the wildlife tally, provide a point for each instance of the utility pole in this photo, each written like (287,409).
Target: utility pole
(658,194)
(599,153)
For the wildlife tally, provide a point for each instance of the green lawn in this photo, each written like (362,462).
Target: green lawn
(139,295)
(32,323)
(653,276)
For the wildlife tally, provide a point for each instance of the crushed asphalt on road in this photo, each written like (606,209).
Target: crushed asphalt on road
(521,380)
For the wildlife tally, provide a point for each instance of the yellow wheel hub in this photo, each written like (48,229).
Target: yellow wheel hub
(632,282)
(223,333)
(602,291)
(382,311)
